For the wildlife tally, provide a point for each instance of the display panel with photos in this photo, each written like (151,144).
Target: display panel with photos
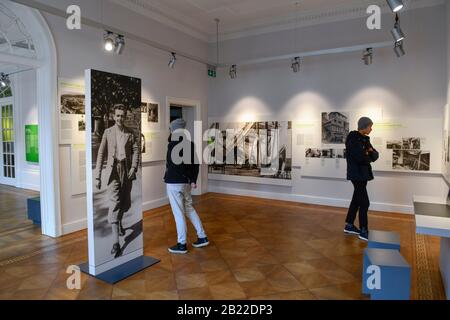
(114,176)
(72,112)
(252,149)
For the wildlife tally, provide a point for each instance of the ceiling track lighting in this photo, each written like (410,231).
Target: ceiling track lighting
(4,80)
(233,71)
(397,32)
(395,5)
(368,56)
(120,44)
(113,42)
(173,60)
(399,49)
(296,64)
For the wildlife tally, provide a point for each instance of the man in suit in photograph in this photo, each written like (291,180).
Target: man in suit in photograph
(122,160)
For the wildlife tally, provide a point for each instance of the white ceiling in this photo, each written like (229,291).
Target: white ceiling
(241,17)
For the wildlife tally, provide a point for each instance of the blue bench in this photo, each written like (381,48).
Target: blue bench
(384,240)
(34,210)
(386,275)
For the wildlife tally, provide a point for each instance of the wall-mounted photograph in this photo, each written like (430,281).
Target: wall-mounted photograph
(72,103)
(153,112)
(257,149)
(415,160)
(335,127)
(394,144)
(411,143)
(144,107)
(82,124)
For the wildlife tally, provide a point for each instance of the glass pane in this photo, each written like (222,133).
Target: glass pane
(12,159)
(8,172)
(13,172)
(4,172)
(11,147)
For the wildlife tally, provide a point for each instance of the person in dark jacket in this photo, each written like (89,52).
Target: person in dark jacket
(360,155)
(180,179)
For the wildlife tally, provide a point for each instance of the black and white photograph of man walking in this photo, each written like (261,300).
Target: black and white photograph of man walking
(116,164)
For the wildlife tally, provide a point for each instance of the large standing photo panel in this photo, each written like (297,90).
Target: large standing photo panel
(114,170)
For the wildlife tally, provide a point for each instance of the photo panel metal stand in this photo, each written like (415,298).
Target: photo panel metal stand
(114,177)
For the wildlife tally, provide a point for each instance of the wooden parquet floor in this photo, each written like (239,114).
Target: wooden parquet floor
(260,249)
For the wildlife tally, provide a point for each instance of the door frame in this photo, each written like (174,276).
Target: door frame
(9,101)
(45,65)
(196,104)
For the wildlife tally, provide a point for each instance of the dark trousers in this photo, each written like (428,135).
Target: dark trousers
(360,201)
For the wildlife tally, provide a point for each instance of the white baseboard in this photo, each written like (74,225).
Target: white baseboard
(29,186)
(74,226)
(82,223)
(333,202)
(149,205)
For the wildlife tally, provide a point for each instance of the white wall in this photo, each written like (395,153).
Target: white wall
(25,113)
(82,49)
(413,86)
(446,113)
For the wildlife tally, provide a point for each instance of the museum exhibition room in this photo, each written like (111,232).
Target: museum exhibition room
(225,150)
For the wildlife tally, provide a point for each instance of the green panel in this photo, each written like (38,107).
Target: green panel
(31,143)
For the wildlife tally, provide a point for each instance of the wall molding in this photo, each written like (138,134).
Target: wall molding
(81,224)
(333,202)
(152,204)
(192,27)
(74,226)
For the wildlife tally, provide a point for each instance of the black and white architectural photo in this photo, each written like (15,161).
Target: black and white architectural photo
(335,127)
(394,144)
(116,165)
(415,160)
(321,153)
(72,103)
(411,144)
(255,149)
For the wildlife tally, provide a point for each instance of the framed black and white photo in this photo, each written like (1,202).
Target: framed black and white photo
(153,112)
(255,149)
(414,160)
(335,127)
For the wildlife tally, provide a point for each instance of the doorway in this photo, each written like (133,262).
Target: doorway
(189,111)
(37,53)
(7,139)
